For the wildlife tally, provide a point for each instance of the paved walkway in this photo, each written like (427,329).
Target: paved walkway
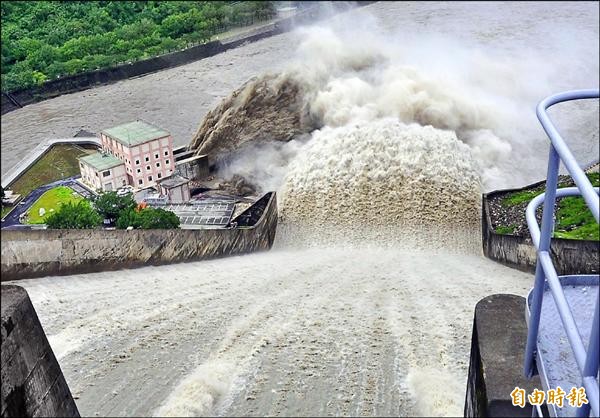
(37,153)
(12,219)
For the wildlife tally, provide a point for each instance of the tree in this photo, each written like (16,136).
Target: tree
(44,39)
(80,215)
(148,218)
(110,205)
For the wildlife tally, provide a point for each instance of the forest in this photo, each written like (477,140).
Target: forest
(45,40)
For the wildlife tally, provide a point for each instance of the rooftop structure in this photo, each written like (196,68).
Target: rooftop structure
(135,133)
(173,181)
(100,161)
(176,188)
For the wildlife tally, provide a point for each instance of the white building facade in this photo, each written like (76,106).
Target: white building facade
(103,172)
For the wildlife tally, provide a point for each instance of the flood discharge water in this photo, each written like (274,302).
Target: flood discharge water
(365,305)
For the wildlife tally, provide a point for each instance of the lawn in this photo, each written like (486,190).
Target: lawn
(51,200)
(573,218)
(59,162)
(6,210)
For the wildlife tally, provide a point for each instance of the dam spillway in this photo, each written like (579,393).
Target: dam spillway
(328,327)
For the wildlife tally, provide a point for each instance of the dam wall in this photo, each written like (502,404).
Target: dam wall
(38,253)
(569,256)
(33,384)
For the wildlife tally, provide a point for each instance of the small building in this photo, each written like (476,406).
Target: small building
(193,168)
(175,188)
(103,172)
(144,150)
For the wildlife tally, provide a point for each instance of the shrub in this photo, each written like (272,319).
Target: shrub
(78,215)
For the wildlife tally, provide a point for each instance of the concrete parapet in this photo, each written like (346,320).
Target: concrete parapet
(37,253)
(496,363)
(32,382)
(569,256)
(38,152)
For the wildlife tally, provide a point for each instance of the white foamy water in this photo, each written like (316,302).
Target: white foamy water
(365,305)
(399,182)
(322,331)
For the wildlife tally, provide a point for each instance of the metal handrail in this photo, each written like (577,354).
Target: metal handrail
(587,362)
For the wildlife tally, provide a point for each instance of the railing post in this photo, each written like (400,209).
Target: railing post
(544,245)
(529,367)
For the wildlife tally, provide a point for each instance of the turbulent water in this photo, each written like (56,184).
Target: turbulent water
(383,176)
(365,305)
(334,331)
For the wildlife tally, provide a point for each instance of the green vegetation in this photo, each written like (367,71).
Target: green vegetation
(148,218)
(57,163)
(521,197)
(110,205)
(575,221)
(44,40)
(74,215)
(573,218)
(505,230)
(6,210)
(525,196)
(51,201)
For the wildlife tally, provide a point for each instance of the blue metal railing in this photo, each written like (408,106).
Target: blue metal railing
(587,362)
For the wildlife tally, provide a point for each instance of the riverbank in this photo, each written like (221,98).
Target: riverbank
(231,39)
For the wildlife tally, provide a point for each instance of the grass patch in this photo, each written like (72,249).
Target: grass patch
(520,197)
(573,218)
(505,230)
(52,199)
(575,221)
(59,162)
(526,196)
(6,210)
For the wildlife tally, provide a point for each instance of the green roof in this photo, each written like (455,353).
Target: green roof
(135,133)
(100,161)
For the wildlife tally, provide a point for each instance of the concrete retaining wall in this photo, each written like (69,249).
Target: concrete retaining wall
(37,253)
(496,362)
(33,384)
(38,152)
(569,256)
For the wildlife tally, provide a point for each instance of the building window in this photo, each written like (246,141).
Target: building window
(166,152)
(140,181)
(106,173)
(166,162)
(159,175)
(156,156)
(149,178)
(137,162)
(139,170)
(148,168)
(158,164)
(96,173)
(147,159)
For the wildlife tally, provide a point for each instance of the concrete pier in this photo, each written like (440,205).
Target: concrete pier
(496,364)
(33,384)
